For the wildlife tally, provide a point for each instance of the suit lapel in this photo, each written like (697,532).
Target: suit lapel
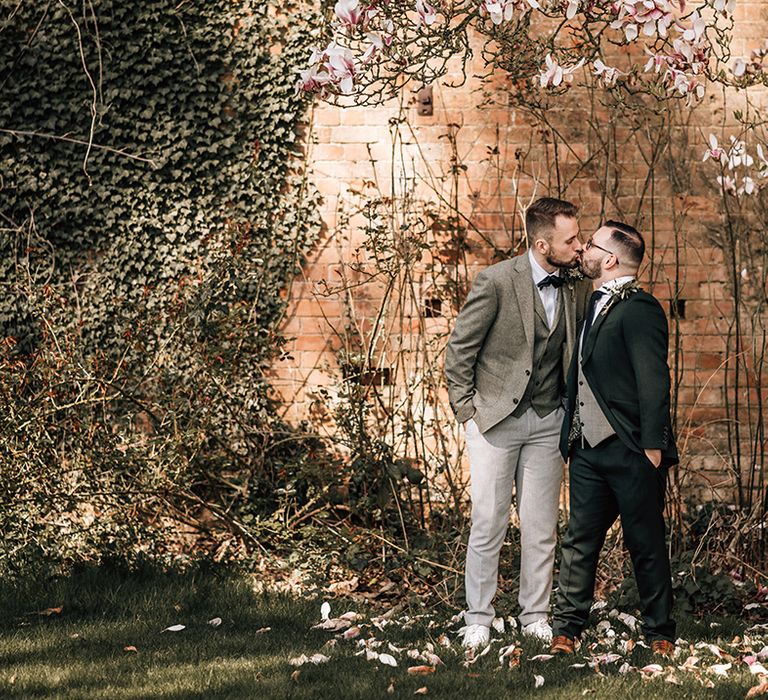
(538,307)
(569,311)
(591,339)
(523,284)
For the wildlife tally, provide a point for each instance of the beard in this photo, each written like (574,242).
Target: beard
(590,268)
(563,264)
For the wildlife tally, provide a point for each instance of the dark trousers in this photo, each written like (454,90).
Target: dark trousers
(606,481)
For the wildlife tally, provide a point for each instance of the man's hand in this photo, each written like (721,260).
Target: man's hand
(654,456)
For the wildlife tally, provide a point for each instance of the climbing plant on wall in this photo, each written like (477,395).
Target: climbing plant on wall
(153,207)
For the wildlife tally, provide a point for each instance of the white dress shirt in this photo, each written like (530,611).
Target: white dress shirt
(606,289)
(549,293)
(604,299)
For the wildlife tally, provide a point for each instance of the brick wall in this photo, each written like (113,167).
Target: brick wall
(485,161)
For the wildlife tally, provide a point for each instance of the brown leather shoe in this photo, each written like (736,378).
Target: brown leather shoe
(663,647)
(562,645)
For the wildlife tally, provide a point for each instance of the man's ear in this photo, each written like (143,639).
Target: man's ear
(541,245)
(614,262)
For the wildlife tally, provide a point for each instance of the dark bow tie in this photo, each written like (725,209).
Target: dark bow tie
(555,280)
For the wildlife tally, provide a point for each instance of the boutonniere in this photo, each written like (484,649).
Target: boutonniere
(620,293)
(571,275)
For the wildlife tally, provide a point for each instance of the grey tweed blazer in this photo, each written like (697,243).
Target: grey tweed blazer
(489,357)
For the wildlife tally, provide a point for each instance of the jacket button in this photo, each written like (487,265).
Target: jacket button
(581,383)
(527,372)
(514,400)
(581,403)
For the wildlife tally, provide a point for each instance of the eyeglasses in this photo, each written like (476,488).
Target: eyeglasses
(591,244)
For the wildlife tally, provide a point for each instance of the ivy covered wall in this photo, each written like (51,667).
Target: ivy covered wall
(153,207)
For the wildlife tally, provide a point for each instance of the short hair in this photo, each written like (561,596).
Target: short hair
(541,215)
(629,241)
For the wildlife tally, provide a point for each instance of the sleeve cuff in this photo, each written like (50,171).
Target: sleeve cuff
(464,413)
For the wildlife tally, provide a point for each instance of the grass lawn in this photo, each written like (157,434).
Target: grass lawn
(107,641)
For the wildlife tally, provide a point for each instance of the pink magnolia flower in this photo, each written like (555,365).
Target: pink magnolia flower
(714,151)
(504,10)
(747,186)
(341,67)
(697,28)
(555,74)
(650,16)
(737,155)
(656,62)
(426,13)
(724,6)
(739,67)
(688,85)
(752,67)
(349,12)
(313,79)
(572,9)
(727,183)
(607,74)
(377,42)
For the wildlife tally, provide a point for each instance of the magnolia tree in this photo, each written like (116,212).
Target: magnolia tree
(662,48)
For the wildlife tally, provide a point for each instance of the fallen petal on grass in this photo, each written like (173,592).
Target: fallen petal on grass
(175,628)
(629,620)
(758,690)
(315,659)
(422,691)
(334,624)
(130,647)
(433,659)
(421,670)
(387,659)
(690,664)
(539,680)
(715,650)
(652,670)
(215,622)
(720,669)
(325,610)
(542,657)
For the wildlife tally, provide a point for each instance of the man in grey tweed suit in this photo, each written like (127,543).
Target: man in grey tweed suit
(505,364)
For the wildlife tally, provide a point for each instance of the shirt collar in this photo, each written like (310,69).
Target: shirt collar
(610,285)
(539,273)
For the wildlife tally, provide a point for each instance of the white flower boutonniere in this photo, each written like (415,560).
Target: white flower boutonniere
(572,275)
(620,293)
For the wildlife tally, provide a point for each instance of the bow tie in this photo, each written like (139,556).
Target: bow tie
(555,280)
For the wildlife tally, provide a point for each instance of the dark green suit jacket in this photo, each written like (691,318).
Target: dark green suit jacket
(624,360)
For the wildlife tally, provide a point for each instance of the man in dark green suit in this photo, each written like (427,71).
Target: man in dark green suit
(617,434)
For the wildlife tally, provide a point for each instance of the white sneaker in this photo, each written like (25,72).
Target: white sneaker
(476,636)
(539,629)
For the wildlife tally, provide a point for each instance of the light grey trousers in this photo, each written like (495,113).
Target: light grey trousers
(521,451)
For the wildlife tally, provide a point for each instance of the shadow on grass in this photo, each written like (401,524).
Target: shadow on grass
(87,650)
